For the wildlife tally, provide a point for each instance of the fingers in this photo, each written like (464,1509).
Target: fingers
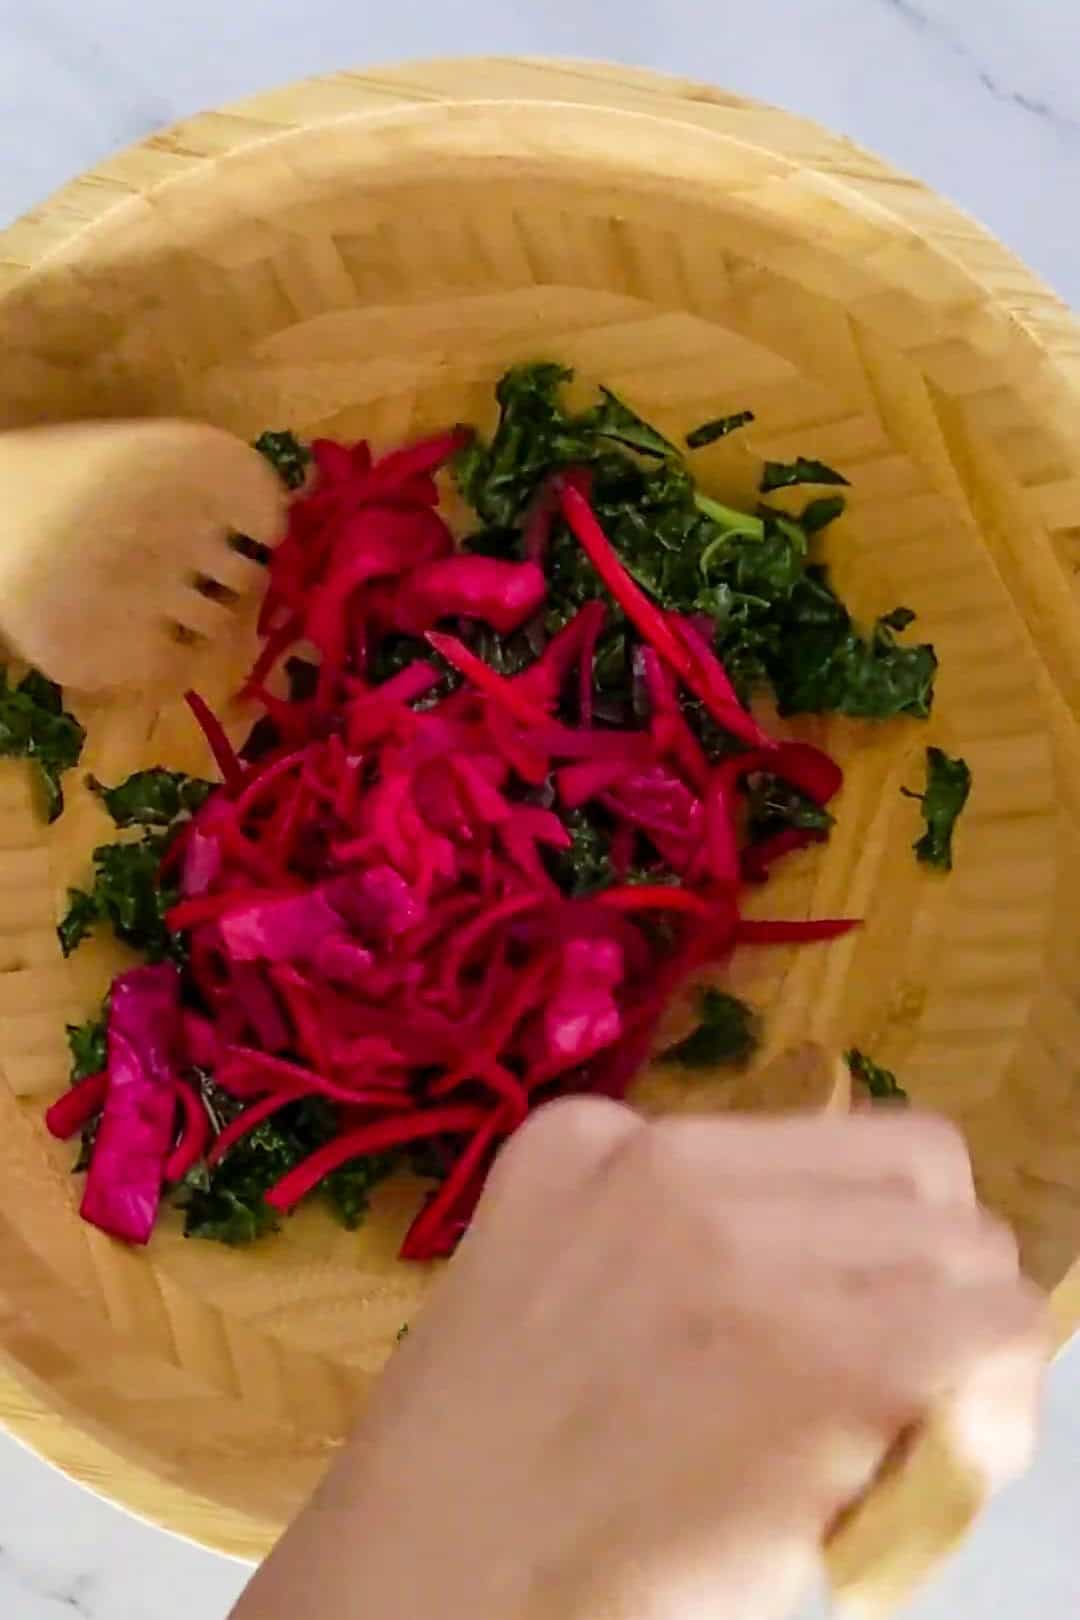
(557,1151)
(871,1241)
(967,1346)
(993,1417)
(863,1229)
(860,1239)
(918,1155)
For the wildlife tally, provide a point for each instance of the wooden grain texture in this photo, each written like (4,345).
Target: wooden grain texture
(128,527)
(364,254)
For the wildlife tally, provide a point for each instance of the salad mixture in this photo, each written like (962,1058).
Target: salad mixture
(500,806)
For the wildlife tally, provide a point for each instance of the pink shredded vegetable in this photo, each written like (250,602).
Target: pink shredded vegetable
(370,906)
(138,1121)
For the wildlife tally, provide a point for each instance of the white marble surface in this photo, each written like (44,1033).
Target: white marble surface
(979,97)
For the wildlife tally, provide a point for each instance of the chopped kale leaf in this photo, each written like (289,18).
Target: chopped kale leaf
(727,1033)
(948,784)
(880,1083)
(718,428)
(35,725)
(288,457)
(786,474)
(153,798)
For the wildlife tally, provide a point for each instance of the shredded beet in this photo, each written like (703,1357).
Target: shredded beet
(795,933)
(699,668)
(194,1134)
(77,1107)
(458,1120)
(374,910)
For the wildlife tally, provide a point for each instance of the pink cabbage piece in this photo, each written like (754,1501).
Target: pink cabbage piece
(578,1022)
(378,903)
(202,864)
(138,1123)
(203,857)
(342,961)
(289,929)
(202,1041)
(593,962)
(254,999)
(501,594)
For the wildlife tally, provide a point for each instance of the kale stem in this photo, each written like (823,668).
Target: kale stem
(731,521)
(747,529)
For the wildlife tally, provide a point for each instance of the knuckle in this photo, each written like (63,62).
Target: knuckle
(999,1244)
(577,1131)
(649,1156)
(966,1247)
(937,1159)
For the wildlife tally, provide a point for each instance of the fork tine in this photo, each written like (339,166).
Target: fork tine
(218,561)
(192,610)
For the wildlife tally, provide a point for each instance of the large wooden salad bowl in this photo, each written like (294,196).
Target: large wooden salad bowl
(365,254)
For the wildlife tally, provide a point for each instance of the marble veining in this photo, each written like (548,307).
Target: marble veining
(981,98)
(942,29)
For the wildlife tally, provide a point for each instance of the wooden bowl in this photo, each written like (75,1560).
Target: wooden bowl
(365,254)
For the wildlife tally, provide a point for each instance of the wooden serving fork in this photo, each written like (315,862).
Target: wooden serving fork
(118,551)
(926,1495)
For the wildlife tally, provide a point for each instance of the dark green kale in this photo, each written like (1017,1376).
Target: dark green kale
(718,428)
(679,547)
(509,655)
(948,784)
(126,895)
(817,515)
(86,1043)
(499,478)
(716,743)
(651,510)
(773,805)
(433,1158)
(87,1139)
(778,621)
(230,1209)
(820,663)
(612,419)
(348,1190)
(535,437)
(78,920)
(786,474)
(396,652)
(35,725)
(585,867)
(727,1033)
(227,1203)
(288,457)
(880,1083)
(126,892)
(154,798)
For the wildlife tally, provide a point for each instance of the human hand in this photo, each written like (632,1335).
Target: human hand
(664,1359)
